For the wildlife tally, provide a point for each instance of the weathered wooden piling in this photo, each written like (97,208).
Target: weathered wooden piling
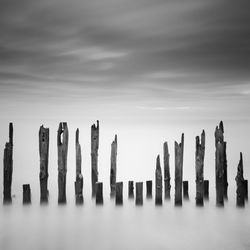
(158,182)
(240,190)
(167,185)
(149,185)
(62,148)
(220,168)
(206,189)
(119,193)
(8,167)
(139,193)
(26,194)
(199,168)
(94,156)
(99,193)
(44,160)
(130,189)
(246,189)
(113,167)
(179,149)
(185,190)
(79,177)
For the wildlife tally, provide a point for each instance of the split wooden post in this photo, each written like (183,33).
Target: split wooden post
(199,168)
(179,149)
(79,177)
(94,156)
(206,189)
(246,189)
(26,194)
(44,160)
(62,147)
(139,193)
(8,167)
(149,189)
(99,193)
(185,190)
(158,182)
(130,189)
(113,164)
(119,193)
(240,190)
(167,185)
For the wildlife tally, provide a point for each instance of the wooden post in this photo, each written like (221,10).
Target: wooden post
(119,193)
(79,177)
(94,156)
(99,193)
(44,160)
(149,189)
(206,189)
(199,168)
(26,194)
(166,171)
(130,189)
(246,189)
(219,164)
(179,148)
(185,190)
(139,193)
(62,148)
(240,191)
(225,171)
(113,167)
(158,182)
(8,167)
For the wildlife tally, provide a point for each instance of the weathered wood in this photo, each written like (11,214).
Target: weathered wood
(166,171)
(219,164)
(99,193)
(139,193)
(225,172)
(26,194)
(185,190)
(206,189)
(62,148)
(179,149)
(119,193)
(158,182)
(199,168)
(149,189)
(8,167)
(113,167)
(240,191)
(94,156)
(246,189)
(79,177)
(130,189)
(44,160)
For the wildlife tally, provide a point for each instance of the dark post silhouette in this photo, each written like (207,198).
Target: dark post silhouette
(62,148)
(240,190)
(119,193)
(113,167)
(130,189)
(26,194)
(44,160)
(158,182)
(139,193)
(167,185)
(8,167)
(79,177)
(206,189)
(149,189)
(246,189)
(199,167)
(179,148)
(185,190)
(94,155)
(99,193)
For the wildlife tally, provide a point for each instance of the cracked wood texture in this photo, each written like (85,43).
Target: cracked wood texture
(158,182)
(167,185)
(113,164)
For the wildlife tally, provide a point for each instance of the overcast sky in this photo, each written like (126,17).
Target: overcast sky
(184,58)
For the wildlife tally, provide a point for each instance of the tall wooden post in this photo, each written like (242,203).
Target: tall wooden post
(185,190)
(62,148)
(79,177)
(130,189)
(113,167)
(44,160)
(206,189)
(26,194)
(139,193)
(99,193)
(246,189)
(179,149)
(158,182)
(240,191)
(167,185)
(199,167)
(8,167)
(149,189)
(94,156)
(119,193)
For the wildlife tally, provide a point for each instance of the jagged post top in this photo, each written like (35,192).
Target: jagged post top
(77,136)
(95,136)
(219,133)
(63,128)
(158,164)
(11,133)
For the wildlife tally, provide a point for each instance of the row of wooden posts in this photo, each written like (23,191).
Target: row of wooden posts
(116,188)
